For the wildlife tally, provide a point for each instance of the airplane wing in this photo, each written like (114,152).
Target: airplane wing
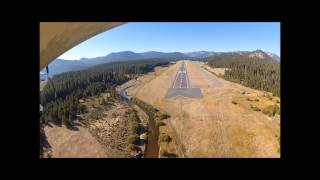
(58,37)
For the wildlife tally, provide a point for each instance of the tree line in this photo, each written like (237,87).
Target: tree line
(254,73)
(60,97)
(152,112)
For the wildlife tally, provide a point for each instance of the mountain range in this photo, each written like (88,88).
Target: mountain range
(201,54)
(60,65)
(129,55)
(222,59)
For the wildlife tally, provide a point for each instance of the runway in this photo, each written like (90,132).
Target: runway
(181,85)
(181,80)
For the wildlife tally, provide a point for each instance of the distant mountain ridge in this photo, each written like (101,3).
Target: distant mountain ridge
(229,57)
(200,54)
(273,55)
(118,56)
(59,65)
(129,55)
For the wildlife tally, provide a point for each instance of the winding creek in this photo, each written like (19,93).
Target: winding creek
(152,148)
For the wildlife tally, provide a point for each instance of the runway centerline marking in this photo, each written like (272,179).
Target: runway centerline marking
(181,85)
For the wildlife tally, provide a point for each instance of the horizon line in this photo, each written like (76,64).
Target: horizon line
(164,52)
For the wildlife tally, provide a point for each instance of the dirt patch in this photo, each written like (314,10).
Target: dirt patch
(103,137)
(112,130)
(66,143)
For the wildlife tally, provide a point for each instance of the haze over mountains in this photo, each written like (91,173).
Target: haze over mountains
(60,65)
(129,55)
(201,54)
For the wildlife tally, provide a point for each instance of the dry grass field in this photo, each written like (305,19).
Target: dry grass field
(217,71)
(66,143)
(105,136)
(213,126)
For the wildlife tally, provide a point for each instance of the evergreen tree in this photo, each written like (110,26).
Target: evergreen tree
(72,86)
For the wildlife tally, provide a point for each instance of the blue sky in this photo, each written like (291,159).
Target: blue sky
(181,37)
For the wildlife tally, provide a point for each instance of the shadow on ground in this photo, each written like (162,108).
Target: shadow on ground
(171,155)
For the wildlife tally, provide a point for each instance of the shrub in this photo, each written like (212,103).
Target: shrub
(269,96)
(255,99)
(133,147)
(83,109)
(164,138)
(135,127)
(255,108)
(221,75)
(163,115)
(234,102)
(133,117)
(271,110)
(67,122)
(160,123)
(133,139)
(101,100)
(97,114)
(164,152)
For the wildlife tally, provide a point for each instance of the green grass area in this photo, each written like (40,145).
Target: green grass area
(156,114)
(133,119)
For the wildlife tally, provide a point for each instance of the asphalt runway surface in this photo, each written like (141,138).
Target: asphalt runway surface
(182,79)
(181,86)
